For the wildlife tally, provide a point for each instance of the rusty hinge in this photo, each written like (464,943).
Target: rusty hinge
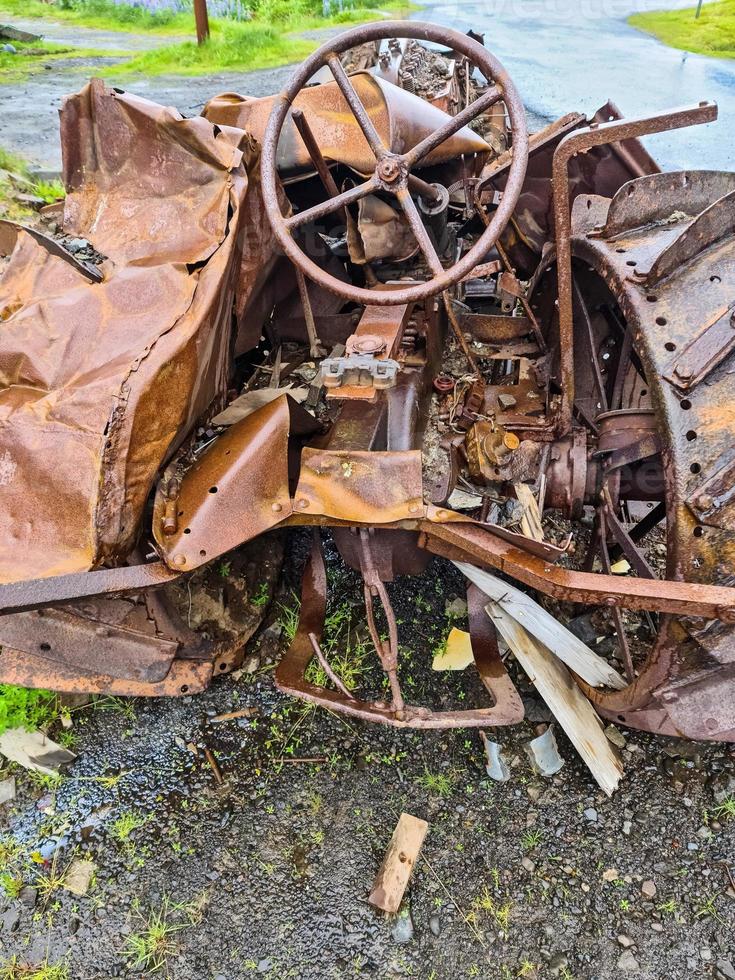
(712,501)
(702,355)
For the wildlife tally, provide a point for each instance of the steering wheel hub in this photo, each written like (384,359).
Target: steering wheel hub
(389,169)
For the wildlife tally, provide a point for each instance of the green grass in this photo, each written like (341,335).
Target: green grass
(20,708)
(126,823)
(102,15)
(149,949)
(268,40)
(725,810)
(14,970)
(438,783)
(233,46)
(15,177)
(712,33)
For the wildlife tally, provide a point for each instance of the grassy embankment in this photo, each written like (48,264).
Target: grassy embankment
(712,33)
(270,38)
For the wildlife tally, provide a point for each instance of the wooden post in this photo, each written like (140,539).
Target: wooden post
(201,19)
(699,9)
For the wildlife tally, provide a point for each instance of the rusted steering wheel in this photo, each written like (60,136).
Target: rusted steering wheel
(392,170)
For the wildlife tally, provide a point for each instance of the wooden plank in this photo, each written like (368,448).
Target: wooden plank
(569,706)
(398,863)
(531,521)
(545,628)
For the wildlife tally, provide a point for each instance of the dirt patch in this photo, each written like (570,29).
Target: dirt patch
(269,874)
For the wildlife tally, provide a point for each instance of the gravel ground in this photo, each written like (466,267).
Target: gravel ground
(268,873)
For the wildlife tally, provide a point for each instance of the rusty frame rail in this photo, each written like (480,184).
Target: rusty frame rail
(461,540)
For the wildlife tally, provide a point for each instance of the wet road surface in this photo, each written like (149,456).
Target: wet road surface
(569,55)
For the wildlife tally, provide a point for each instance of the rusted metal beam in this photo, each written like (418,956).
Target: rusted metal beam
(37,593)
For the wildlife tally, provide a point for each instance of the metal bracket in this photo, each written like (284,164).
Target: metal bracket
(361,370)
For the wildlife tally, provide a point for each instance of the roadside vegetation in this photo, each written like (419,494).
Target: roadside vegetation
(712,33)
(244,36)
(20,191)
(20,708)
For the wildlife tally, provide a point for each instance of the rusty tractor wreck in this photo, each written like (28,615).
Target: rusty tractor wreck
(482,317)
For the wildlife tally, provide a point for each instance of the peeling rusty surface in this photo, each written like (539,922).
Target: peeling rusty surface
(360,487)
(26,670)
(401,119)
(99,381)
(233,492)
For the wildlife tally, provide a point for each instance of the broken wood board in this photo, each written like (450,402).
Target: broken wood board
(561,693)
(457,654)
(531,521)
(34,750)
(398,863)
(548,630)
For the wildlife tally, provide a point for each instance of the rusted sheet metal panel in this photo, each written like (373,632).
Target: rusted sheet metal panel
(360,487)
(96,385)
(654,198)
(26,670)
(709,227)
(63,638)
(401,119)
(235,491)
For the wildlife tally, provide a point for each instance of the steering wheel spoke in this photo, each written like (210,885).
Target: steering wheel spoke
(452,126)
(419,230)
(317,211)
(358,109)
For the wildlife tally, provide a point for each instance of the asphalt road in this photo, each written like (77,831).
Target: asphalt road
(576,54)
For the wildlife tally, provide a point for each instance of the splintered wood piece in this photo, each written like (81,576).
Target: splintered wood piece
(398,863)
(570,707)
(545,628)
(531,521)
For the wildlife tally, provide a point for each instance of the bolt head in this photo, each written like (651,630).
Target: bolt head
(389,170)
